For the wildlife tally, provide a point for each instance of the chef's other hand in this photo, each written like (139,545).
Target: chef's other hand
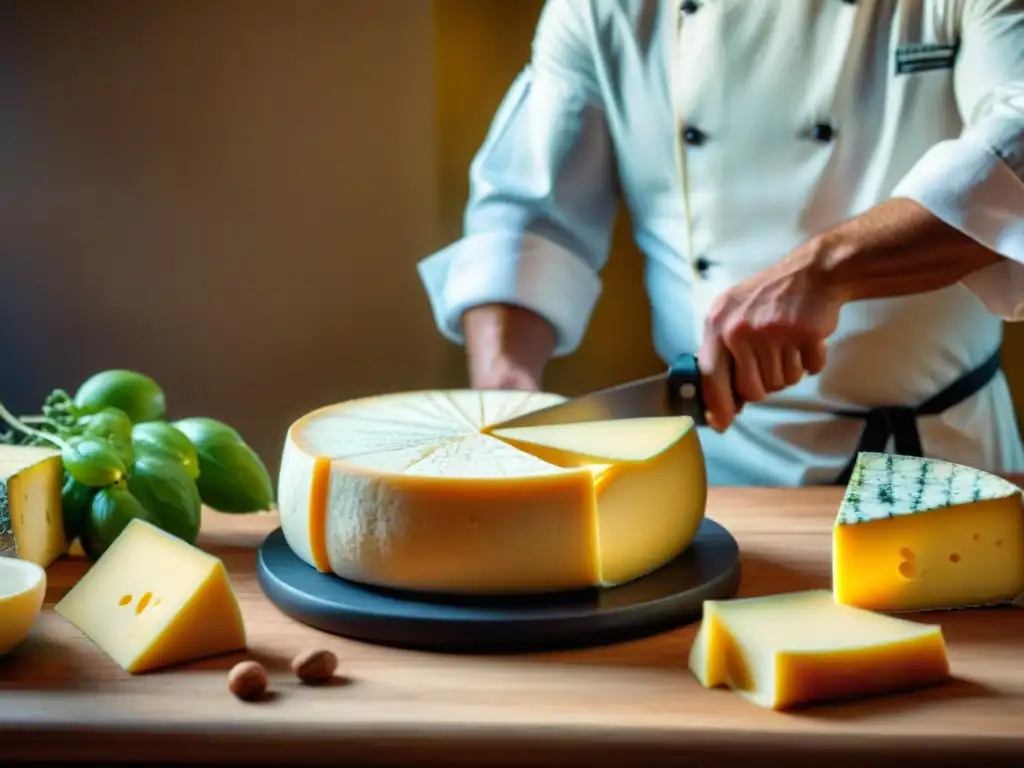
(507,347)
(503,373)
(762,335)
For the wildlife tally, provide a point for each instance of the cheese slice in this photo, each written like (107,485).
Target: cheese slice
(921,534)
(153,601)
(408,491)
(31,526)
(801,648)
(619,440)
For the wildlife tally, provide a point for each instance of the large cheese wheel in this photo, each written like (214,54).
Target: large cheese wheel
(408,491)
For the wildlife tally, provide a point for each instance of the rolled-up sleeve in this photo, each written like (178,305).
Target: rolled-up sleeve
(543,194)
(976,182)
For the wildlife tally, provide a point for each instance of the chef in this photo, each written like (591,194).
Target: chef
(830,198)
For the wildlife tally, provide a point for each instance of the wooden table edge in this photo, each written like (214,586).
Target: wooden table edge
(370,742)
(455,745)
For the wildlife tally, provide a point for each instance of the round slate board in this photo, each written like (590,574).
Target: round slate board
(667,598)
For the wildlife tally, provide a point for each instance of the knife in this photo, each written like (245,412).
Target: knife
(676,392)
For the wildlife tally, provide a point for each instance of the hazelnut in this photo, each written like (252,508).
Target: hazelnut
(247,680)
(315,666)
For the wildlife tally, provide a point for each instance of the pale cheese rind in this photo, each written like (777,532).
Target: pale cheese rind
(918,534)
(296,500)
(467,512)
(427,531)
(801,648)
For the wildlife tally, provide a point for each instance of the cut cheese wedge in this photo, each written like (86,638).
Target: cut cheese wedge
(154,601)
(801,648)
(920,534)
(408,491)
(597,442)
(31,525)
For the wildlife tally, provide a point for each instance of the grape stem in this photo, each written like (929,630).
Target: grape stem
(38,420)
(15,423)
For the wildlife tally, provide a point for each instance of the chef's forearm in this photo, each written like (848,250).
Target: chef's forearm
(507,333)
(894,249)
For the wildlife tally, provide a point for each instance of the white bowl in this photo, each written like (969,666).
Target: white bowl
(22,590)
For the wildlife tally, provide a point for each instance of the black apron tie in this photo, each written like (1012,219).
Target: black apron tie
(900,422)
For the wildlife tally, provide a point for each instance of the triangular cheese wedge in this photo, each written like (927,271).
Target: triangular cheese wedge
(598,442)
(153,601)
(919,534)
(30,503)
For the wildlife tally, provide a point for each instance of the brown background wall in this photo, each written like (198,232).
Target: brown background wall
(481,46)
(232,197)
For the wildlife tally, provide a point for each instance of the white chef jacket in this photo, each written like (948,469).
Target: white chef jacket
(734,130)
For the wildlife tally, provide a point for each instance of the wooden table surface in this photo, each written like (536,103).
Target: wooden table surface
(628,704)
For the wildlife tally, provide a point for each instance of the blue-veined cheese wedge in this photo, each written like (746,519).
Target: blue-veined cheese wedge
(918,534)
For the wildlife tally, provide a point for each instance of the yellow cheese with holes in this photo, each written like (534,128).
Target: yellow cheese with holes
(31,526)
(153,601)
(920,534)
(802,648)
(409,491)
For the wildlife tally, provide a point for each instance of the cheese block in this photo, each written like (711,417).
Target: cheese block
(921,534)
(152,601)
(802,648)
(408,491)
(31,526)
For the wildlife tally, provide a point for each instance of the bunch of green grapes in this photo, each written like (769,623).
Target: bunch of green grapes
(123,460)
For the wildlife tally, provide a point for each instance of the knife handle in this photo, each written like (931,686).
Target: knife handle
(684,387)
(684,391)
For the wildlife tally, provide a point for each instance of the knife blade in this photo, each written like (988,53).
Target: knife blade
(676,392)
